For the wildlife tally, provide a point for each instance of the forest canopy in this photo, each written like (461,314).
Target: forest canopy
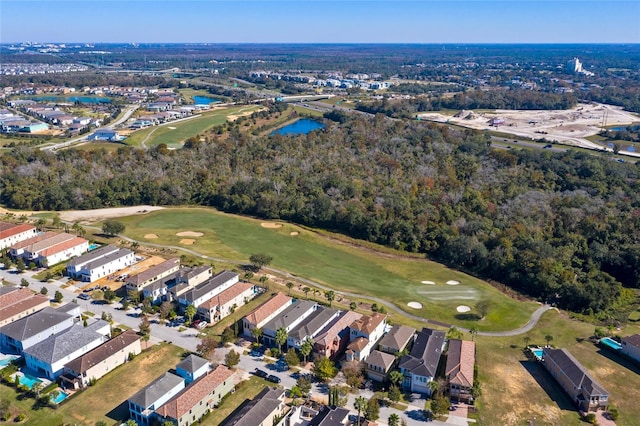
(561,227)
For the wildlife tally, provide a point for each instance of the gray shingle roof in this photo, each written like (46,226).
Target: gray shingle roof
(58,346)
(192,363)
(330,416)
(102,352)
(425,354)
(32,325)
(254,412)
(208,285)
(289,315)
(398,337)
(152,272)
(380,359)
(312,325)
(633,340)
(156,389)
(574,371)
(94,254)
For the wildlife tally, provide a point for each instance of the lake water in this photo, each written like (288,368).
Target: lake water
(634,127)
(74,99)
(300,127)
(203,100)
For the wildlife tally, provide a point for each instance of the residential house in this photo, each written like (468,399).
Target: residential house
(18,249)
(461,358)
(50,248)
(154,273)
(311,326)
(420,366)
(11,233)
(331,416)
(94,364)
(227,301)
(28,331)
(265,313)
(364,334)
(47,358)
(17,302)
(208,289)
(62,252)
(581,387)
(142,404)
(186,279)
(262,410)
(397,339)
(378,365)
(288,319)
(198,398)
(99,263)
(105,135)
(192,367)
(631,347)
(333,340)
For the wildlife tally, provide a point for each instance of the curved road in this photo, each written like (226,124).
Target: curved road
(533,320)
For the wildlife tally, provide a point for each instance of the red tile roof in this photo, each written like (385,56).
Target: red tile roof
(12,229)
(367,323)
(34,240)
(197,391)
(263,311)
(18,301)
(460,362)
(227,295)
(66,245)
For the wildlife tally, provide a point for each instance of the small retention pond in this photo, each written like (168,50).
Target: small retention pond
(300,127)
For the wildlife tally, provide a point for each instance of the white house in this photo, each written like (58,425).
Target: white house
(631,347)
(311,326)
(364,335)
(31,330)
(143,404)
(265,313)
(99,263)
(226,302)
(157,272)
(208,289)
(420,366)
(47,358)
(11,233)
(289,318)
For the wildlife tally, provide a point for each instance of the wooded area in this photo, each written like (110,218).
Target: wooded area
(562,227)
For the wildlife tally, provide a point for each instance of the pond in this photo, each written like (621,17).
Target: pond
(203,100)
(74,99)
(632,128)
(300,127)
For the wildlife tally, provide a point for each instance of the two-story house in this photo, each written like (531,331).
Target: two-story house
(99,263)
(208,289)
(333,340)
(631,347)
(461,358)
(18,302)
(142,404)
(265,313)
(364,335)
(262,410)
(397,339)
(226,302)
(288,319)
(420,366)
(311,326)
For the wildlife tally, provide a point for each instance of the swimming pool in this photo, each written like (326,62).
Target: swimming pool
(610,343)
(29,380)
(93,246)
(538,353)
(62,395)
(6,361)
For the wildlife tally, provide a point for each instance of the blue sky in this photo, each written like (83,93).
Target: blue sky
(323,21)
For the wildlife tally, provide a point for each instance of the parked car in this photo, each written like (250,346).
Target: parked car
(84,296)
(273,379)
(261,373)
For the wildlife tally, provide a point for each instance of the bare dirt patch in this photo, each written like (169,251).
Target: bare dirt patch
(189,234)
(187,241)
(271,225)
(150,236)
(294,233)
(96,215)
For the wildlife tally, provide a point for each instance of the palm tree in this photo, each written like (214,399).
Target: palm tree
(454,333)
(527,339)
(433,387)
(548,338)
(40,223)
(473,331)
(360,404)
(396,377)
(289,286)
(315,291)
(394,420)
(330,295)
(281,337)
(306,291)
(257,333)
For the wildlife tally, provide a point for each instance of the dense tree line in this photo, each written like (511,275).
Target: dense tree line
(562,227)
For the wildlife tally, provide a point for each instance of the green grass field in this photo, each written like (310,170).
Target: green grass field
(174,134)
(393,277)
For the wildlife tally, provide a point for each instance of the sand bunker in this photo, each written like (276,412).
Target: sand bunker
(187,241)
(171,128)
(415,305)
(271,225)
(453,282)
(189,234)
(428,282)
(150,236)
(294,233)
(463,308)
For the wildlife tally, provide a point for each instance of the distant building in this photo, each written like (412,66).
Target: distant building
(575,66)
(631,347)
(17,302)
(99,263)
(105,135)
(11,233)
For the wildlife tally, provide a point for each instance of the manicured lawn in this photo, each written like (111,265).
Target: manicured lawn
(246,390)
(515,390)
(338,265)
(35,417)
(174,134)
(106,400)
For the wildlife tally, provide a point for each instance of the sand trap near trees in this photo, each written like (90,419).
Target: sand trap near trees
(189,234)
(415,305)
(463,308)
(271,225)
(294,233)
(428,282)
(453,282)
(172,128)
(150,236)
(187,241)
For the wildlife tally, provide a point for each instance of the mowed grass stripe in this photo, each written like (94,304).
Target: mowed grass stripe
(340,266)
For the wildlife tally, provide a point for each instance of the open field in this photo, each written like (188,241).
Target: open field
(246,390)
(106,400)
(569,127)
(337,265)
(174,134)
(515,390)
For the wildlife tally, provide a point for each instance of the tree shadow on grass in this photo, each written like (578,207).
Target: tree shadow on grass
(467,317)
(120,413)
(549,385)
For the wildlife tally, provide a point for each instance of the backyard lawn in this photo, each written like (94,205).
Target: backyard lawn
(245,390)
(393,277)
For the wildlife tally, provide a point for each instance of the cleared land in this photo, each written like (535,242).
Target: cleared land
(568,127)
(338,265)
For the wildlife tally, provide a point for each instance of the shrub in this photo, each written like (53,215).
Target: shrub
(614,413)
(591,418)
(21,417)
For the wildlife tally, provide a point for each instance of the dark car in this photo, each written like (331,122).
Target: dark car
(274,379)
(261,373)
